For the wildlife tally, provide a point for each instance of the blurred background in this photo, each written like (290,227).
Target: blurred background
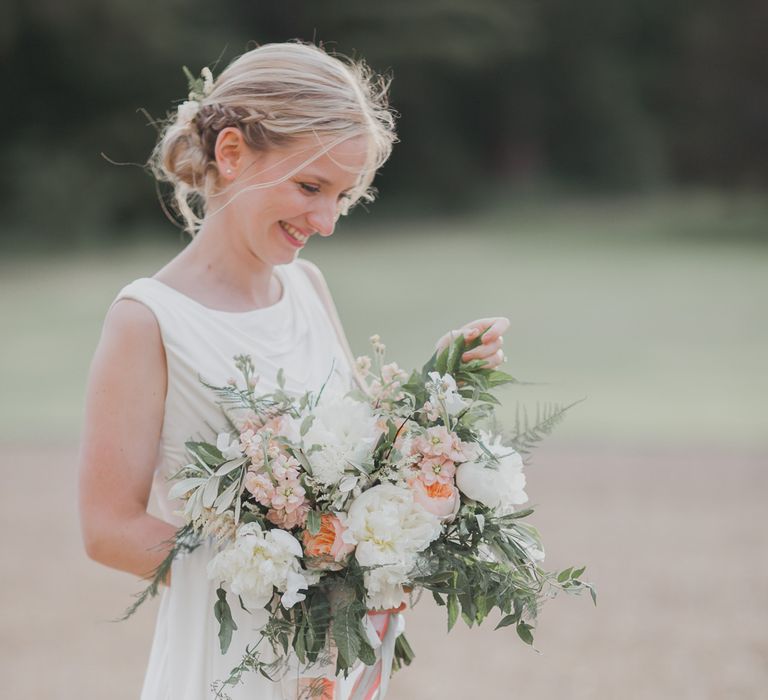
(595,171)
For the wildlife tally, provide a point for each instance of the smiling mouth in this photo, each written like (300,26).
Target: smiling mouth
(293,232)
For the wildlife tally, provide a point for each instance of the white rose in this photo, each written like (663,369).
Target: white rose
(388,526)
(499,485)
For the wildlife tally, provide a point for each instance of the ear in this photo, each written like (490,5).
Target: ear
(230,151)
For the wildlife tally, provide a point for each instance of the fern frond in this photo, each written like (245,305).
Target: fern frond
(528,432)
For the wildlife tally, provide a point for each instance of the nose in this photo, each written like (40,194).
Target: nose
(323,218)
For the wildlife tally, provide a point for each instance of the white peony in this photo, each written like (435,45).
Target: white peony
(384,586)
(259,561)
(388,526)
(344,430)
(499,485)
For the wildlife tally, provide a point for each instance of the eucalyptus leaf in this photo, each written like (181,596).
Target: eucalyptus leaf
(230,466)
(224,500)
(211,491)
(185,486)
(306,424)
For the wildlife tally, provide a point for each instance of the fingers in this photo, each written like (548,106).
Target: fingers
(494,328)
(484,351)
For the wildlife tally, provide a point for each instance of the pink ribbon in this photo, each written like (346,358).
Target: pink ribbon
(382,627)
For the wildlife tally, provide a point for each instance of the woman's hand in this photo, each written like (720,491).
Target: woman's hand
(491,342)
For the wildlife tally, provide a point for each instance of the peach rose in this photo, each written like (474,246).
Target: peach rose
(327,547)
(440,499)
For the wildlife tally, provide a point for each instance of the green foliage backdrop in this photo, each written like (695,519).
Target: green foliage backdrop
(493,95)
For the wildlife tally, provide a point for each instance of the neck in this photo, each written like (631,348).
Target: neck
(221,261)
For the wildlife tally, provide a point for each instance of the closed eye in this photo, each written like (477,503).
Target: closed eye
(314,189)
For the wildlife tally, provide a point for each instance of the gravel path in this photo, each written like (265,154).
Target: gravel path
(675,540)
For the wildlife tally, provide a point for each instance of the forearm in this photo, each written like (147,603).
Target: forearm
(136,544)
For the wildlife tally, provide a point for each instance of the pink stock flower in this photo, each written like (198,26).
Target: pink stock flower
(261,486)
(289,520)
(288,495)
(438,441)
(284,467)
(437,469)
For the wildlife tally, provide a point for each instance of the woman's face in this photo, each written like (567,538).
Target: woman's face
(274,223)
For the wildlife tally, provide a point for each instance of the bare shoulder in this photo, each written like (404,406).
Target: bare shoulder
(131,339)
(130,322)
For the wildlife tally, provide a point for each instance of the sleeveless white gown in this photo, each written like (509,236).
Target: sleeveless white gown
(294,334)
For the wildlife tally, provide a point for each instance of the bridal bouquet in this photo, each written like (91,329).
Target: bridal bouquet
(330,509)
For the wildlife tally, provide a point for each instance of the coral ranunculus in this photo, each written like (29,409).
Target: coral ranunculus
(327,547)
(439,498)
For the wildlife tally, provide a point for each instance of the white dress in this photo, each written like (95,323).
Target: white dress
(294,334)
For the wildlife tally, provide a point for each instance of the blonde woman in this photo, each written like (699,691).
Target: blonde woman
(271,153)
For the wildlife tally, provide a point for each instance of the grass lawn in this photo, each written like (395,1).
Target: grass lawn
(655,310)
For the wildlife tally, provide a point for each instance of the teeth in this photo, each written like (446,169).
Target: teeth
(293,232)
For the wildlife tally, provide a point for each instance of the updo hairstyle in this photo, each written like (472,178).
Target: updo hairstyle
(275,94)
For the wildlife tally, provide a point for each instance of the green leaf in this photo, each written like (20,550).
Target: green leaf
(209,454)
(455,351)
(524,632)
(366,654)
(299,455)
(347,634)
(314,522)
(578,572)
(224,616)
(564,575)
(441,362)
(403,653)
(211,491)
(281,378)
(306,424)
(231,465)
(453,610)
(506,621)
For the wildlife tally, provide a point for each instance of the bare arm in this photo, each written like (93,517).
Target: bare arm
(123,419)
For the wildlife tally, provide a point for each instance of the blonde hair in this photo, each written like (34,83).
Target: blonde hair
(275,94)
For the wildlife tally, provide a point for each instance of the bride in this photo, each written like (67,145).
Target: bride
(284,141)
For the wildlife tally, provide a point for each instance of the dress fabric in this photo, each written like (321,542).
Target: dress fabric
(295,334)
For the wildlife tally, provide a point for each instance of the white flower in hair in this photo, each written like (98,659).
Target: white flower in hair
(207,77)
(187,111)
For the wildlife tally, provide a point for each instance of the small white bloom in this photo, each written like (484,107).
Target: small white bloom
(499,485)
(207,77)
(228,447)
(384,586)
(187,111)
(294,583)
(443,391)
